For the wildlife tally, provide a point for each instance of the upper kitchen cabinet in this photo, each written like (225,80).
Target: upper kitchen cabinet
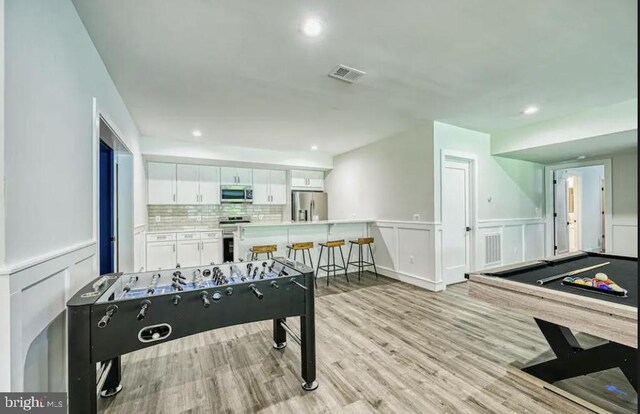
(269,187)
(209,184)
(307,180)
(161,183)
(236,176)
(198,184)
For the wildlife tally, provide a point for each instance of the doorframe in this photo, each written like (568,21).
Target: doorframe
(99,114)
(472,160)
(549,206)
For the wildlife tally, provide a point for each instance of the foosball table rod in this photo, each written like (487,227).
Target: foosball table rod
(294,335)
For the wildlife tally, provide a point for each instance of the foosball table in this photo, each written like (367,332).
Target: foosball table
(120,313)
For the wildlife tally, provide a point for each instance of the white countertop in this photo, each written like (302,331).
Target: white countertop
(184,231)
(301,223)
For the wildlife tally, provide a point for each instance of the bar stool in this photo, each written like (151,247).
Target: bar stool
(331,252)
(267,249)
(303,247)
(361,263)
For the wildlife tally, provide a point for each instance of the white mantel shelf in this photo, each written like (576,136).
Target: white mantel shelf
(302,223)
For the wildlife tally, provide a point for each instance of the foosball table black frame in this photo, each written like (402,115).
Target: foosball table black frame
(90,344)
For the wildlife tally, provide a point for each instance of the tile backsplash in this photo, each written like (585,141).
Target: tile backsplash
(174,217)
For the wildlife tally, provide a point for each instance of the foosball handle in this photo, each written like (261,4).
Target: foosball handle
(256,292)
(205,299)
(143,309)
(274,285)
(176,299)
(111,310)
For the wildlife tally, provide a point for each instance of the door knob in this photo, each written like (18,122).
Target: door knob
(468,228)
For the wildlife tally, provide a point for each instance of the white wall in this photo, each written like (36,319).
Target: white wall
(53,72)
(624,177)
(510,195)
(391,179)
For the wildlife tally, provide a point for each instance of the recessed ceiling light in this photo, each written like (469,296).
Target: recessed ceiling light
(197,133)
(582,157)
(314,148)
(311,27)
(530,110)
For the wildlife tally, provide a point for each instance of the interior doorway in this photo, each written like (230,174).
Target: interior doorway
(579,209)
(457,216)
(115,202)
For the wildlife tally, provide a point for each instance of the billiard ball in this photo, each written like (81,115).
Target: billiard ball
(589,283)
(568,279)
(616,288)
(601,277)
(608,282)
(579,282)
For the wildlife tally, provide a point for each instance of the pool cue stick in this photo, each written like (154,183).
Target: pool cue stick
(571,273)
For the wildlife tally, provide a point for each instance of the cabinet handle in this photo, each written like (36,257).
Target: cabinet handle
(174,247)
(174,197)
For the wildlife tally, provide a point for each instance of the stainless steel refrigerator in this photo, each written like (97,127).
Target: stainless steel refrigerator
(308,206)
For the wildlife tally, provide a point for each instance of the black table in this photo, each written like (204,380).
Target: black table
(558,308)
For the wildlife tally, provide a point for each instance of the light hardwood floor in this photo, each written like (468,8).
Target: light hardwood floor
(382,346)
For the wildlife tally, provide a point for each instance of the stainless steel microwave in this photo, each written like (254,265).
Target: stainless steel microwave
(236,194)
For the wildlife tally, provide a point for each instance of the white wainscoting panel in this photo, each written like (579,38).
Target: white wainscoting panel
(139,248)
(36,335)
(521,239)
(624,237)
(406,250)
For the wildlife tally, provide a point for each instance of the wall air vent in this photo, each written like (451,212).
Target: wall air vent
(346,73)
(492,249)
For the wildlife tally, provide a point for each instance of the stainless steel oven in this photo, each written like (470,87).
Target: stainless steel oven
(236,194)
(229,225)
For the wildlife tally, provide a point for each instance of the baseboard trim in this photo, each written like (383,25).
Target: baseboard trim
(411,279)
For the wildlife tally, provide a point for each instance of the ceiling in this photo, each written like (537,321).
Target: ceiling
(591,147)
(242,72)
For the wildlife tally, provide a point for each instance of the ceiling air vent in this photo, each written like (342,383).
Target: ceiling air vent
(346,73)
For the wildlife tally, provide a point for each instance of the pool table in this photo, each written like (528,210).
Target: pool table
(558,309)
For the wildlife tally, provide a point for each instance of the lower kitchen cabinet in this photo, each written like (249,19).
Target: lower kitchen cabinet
(166,250)
(161,255)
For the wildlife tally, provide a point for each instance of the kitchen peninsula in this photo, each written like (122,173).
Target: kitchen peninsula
(285,233)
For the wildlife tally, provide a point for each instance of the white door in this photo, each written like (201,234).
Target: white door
(456,220)
(573,213)
(211,252)
(189,253)
(209,185)
(228,176)
(277,186)
(161,255)
(245,176)
(560,212)
(161,183)
(188,188)
(261,193)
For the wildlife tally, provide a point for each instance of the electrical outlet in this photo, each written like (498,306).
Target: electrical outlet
(411,259)
(157,219)
(260,216)
(198,218)
(416,217)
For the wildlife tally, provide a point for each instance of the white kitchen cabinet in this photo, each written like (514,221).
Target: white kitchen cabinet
(188,184)
(307,180)
(269,187)
(236,176)
(278,186)
(209,184)
(198,184)
(211,251)
(189,252)
(161,183)
(161,255)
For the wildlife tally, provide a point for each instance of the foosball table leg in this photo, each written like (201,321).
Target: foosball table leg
(279,334)
(308,338)
(82,372)
(112,384)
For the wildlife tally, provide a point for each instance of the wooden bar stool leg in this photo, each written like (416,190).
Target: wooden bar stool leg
(335,272)
(318,268)
(359,261)
(343,265)
(373,261)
